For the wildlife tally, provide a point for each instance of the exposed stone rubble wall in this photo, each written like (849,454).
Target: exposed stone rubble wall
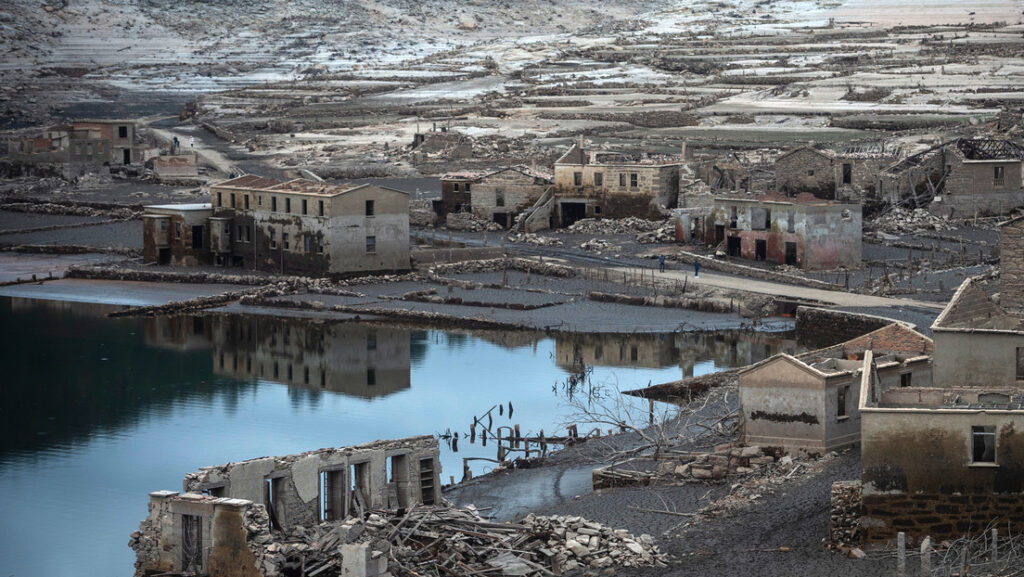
(499,264)
(468,221)
(937,515)
(844,520)
(697,304)
(753,272)
(628,225)
(727,460)
(116,212)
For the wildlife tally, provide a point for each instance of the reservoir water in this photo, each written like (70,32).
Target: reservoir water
(96,412)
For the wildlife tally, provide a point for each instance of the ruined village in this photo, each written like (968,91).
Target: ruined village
(526,288)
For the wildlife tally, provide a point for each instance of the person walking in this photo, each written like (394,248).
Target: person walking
(661,262)
(191,141)
(696,268)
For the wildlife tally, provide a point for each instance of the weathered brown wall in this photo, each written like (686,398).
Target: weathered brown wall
(827,327)
(1011,265)
(792,173)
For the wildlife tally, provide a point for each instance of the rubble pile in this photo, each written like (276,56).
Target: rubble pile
(664,233)
(598,245)
(500,264)
(421,213)
(628,225)
(429,541)
(467,221)
(903,220)
(534,239)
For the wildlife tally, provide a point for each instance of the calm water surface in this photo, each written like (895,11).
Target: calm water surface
(97,412)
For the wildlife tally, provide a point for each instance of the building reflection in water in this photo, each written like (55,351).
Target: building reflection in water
(724,349)
(360,360)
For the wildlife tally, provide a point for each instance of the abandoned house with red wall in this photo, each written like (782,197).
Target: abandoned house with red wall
(80,147)
(296,227)
(960,178)
(209,530)
(808,403)
(946,458)
(849,173)
(605,184)
(802,231)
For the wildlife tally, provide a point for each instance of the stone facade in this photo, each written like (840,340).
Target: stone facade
(499,196)
(1011,264)
(330,484)
(594,184)
(306,227)
(848,174)
(827,326)
(803,231)
(177,234)
(456,189)
(962,178)
(176,166)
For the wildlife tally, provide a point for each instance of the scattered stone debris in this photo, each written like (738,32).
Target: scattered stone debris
(534,239)
(498,264)
(664,233)
(446,541)
(902,221)
(467,221)
(599,245)
(628,225)
(844,521)
(70,209)
(421,213)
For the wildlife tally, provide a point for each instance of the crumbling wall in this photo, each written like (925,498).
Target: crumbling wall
(517,191)
(844,519)
(219,536)
(1011,265)
(828,327)
(295,480)
(805,170)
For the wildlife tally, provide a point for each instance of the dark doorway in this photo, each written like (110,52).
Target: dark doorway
(332,495)
(573,211)
(127,155)
(501,218)
(732,246)
(760,249)
(719,234)
(197,237)
(791,253)
(164,256)
(847,173)
(427,481)
(192,544)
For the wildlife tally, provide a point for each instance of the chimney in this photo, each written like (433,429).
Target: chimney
(682,152)
(581,142)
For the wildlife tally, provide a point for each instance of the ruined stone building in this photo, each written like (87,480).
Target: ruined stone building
(802,231)
(808,403)
(960,178)
(175,167)
(600,184)
(209,529)
(359,360)
(455,193)
(946,458)
(80,147)
(849,173)
(297,227)
(502,194)
(1011,264)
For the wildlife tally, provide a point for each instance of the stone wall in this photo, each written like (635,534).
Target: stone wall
(844,519)
(805,170)
(516,190)
(829,327)
(1011,265)
(936,515)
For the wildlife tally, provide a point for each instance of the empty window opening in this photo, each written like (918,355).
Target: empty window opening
(371,244)
(245,200)
(634,180)
(177,231)
(371,377)
(998,175)
(284,241)
(398,481)
(983,444)
(622,179)
(218,491)
(320,206)
(427,481)
(905,379)
(197,237)
(759,218)
(122,132)
(369,208)
(288,205)
(192,544)
(847,173)
(598,352)
(220,199)
(810,172)
(790,221)
(841,395)
(577,179)
(371,341)
(1020,363)
(633,353)
(232,200)
(734,215)
(359,476)
(275,505)
(303,206)
(499,198)
(332,495)
(273,203)
(598,179)
(305,375)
